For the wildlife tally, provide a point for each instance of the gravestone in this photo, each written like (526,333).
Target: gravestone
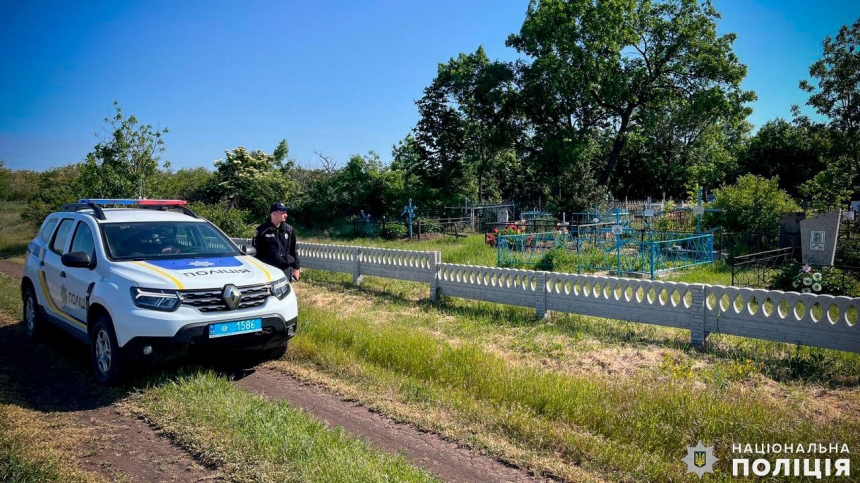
(818,238)
(789,229)
(503,215)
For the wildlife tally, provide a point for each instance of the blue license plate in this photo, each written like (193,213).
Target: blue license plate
(235,328)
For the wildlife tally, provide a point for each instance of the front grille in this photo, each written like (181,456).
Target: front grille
(209,300)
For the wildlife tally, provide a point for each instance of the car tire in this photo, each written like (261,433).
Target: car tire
(105,353)
(34,319)
(279,351)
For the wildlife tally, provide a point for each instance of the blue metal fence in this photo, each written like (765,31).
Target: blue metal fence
(606,247)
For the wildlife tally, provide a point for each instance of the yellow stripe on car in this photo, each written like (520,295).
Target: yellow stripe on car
(42,284)
(161,272)
(260,266)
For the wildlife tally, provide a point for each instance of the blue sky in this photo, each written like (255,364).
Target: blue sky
(338,77)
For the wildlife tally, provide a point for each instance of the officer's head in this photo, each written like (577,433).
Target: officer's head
(278,213)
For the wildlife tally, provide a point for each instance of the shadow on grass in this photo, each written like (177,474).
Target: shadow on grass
(55,373)
(52,375)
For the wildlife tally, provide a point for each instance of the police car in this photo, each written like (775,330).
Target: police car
(142,283)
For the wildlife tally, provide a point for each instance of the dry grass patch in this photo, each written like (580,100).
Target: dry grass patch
(36,446)
(811,401)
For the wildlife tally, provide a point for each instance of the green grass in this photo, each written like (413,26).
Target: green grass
(466,250)
(10,296)
(632,427)
(255,440)
(718,273)
(15,234)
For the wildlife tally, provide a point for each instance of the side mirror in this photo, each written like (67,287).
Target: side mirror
(249,250)
(76,260)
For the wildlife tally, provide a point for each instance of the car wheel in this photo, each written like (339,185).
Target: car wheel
(105,354)
(34,321)
(279,351)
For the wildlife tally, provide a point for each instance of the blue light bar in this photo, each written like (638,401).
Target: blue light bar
(103,201)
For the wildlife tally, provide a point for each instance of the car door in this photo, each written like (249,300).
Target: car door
(77,280)
(52,267)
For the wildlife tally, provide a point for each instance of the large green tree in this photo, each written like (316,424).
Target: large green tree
(835,90)
(124,160)
(607,64)
(466,126)
(253,180)
(793,152)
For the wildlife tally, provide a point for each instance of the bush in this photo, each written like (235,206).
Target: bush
(57,187)
(393,231)
(848,252)
(820,280)
(232,221)
(753,204)
(430,226)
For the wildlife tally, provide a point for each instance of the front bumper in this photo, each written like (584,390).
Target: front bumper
(193,339)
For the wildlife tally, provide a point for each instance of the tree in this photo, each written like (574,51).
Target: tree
(121,164)
(466,125)
(837,93)
(186,184)
(253,180)
(606,64)
(672,149)
(793,152)
(831,188)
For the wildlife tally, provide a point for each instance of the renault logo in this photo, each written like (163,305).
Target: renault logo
(232,296)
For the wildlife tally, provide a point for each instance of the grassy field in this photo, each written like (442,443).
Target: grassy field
(580,398)
(14,233)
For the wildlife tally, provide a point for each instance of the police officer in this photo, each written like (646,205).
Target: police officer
(275,242)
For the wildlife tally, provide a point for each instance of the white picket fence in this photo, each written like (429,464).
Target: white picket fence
(812,320)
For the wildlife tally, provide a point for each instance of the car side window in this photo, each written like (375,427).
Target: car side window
(47,231)
(83,240)
(62,235)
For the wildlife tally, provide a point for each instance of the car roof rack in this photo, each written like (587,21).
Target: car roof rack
(97,210)
(96,203)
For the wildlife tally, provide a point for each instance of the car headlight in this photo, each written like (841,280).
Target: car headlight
(281,288)
(156,299)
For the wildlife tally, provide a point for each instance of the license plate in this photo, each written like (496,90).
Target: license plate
(235,328)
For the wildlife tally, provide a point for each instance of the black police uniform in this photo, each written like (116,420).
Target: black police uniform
(277,246)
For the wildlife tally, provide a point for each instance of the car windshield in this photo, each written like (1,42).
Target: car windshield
(165,240)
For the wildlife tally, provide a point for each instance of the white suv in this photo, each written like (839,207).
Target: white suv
(144,284)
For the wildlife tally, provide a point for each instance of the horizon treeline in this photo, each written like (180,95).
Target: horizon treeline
(612,100)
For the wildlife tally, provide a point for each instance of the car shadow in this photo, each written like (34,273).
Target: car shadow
(54,374)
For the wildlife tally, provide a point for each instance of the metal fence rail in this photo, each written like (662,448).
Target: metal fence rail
(757,269)
(595,248)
